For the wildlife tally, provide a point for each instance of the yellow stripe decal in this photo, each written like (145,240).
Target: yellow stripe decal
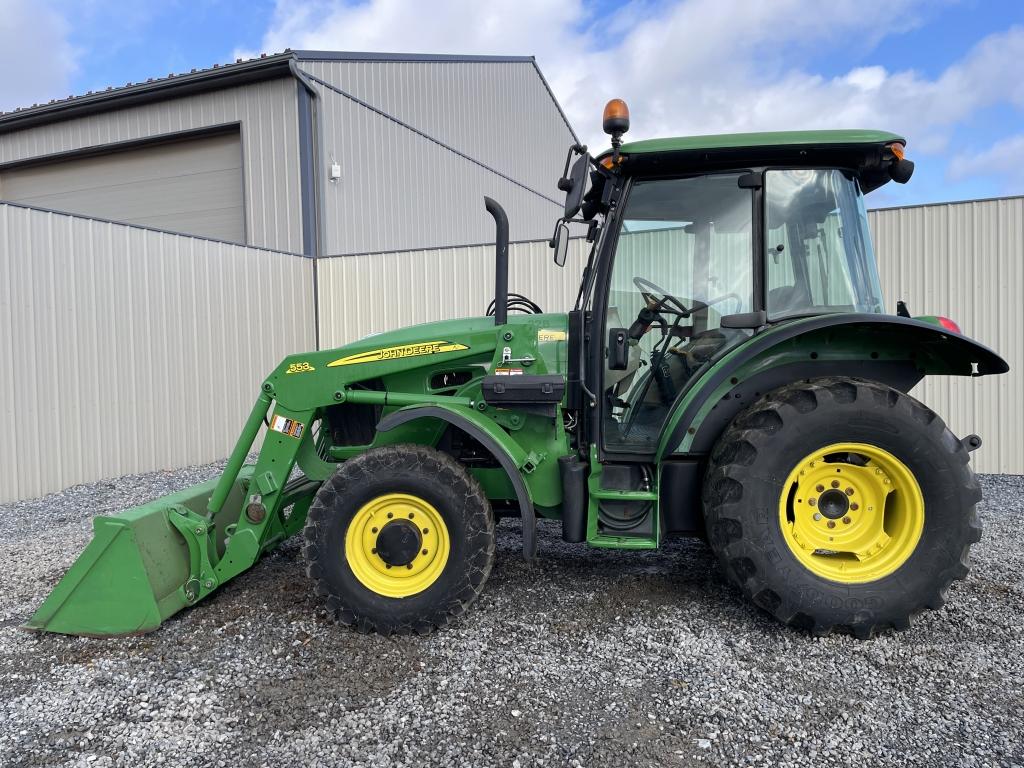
(396,353)
(551,335)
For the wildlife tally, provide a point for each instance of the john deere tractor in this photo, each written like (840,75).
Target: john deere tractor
(729,372)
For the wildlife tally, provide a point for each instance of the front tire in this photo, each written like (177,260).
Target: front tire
(400,539)
(841,504)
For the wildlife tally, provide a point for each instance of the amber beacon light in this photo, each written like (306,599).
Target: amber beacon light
(615,123)
(616,118)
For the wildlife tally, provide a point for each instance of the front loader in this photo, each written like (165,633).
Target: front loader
(728,372)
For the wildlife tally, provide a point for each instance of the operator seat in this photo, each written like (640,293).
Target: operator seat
(788,298)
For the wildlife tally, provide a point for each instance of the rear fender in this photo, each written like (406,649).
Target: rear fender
(894,350)
(506,451)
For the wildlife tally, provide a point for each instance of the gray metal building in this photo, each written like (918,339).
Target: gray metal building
(310,152)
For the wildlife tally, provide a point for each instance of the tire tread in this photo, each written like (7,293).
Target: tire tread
(367,465)
(729,466)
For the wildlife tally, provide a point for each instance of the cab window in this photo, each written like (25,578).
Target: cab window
(819,257)
(683,259)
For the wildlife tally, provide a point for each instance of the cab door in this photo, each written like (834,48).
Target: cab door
(683,258)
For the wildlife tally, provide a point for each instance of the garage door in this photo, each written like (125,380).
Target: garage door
(192,186)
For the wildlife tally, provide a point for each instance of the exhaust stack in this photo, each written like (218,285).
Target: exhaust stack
(500,260)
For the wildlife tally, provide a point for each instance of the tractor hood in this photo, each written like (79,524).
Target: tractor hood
(441,329)
(540,340)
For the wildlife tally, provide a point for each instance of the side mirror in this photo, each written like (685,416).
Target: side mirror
(901,171)
(575,186)
(560,242)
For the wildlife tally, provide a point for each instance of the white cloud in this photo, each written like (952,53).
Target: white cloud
(35,55)
(1003,159)
(443,26)
(690,66)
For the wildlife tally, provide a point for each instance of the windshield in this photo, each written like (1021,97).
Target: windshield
(819,254)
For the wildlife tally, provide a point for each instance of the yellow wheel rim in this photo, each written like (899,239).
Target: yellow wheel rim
(370,539)
(851,512)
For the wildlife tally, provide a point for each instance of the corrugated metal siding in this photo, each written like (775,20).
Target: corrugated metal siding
(269,128)
(127,350)
(965,261)
(497,112)
(399,190)
(360,295)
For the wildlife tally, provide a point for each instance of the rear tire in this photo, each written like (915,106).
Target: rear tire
(400,539)
(771,513)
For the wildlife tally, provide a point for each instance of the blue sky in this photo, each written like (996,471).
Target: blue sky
(947,74)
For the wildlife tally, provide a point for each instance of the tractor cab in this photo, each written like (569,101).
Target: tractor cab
(683,274)
(702,242)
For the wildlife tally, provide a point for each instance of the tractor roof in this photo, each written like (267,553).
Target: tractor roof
(761,140)
(861,151)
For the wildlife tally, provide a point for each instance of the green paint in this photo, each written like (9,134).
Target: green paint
(755,140)
(598,538)
(240,451)
(137,569)
(929,349)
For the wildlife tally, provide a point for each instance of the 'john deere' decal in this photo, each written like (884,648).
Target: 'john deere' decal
(395,353)
(547,334)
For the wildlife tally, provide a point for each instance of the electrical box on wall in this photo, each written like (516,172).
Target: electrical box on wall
(335,172)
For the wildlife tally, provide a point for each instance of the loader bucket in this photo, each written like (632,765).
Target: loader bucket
(137,570)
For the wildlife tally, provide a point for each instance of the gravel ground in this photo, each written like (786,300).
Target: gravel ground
(591,658)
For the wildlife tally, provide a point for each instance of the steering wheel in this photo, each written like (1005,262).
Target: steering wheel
(651,292)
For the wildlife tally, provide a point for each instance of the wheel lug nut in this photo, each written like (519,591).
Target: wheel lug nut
(412,515)
(409,566)
(390,515)
(426,530)
(831,523)
(387,565)
(849,491)
(855,506)
(835,483)
(374,530)
(424,551)
(846,520)
(373,551)
(820,488)
(812,502)
(817,515)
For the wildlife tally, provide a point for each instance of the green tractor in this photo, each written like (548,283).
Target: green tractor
(728,372)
